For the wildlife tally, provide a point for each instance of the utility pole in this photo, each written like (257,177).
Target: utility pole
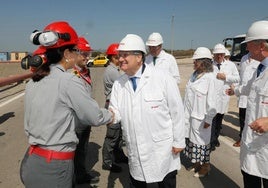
(172,34)
(192,41)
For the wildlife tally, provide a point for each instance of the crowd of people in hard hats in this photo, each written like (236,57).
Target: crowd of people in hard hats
(143,109)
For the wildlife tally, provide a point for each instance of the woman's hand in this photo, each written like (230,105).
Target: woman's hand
(176,150)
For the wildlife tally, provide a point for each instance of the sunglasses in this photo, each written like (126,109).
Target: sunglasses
(83,53)
(126,54)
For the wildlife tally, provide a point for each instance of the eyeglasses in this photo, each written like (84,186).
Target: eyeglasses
(126,54)
(115,56)
(83,53)
(75,50)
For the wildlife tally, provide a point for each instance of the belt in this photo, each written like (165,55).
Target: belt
(51,154)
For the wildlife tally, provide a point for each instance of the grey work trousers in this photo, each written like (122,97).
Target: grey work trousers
(112,144)
(35,171)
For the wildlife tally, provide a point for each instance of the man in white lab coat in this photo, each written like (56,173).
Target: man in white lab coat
(247,68)
(254,142)
(157,57)
(226,74)
(147,102)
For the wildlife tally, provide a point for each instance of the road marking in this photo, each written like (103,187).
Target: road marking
(11,100)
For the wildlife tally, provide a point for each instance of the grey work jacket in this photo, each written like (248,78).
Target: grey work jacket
(53,106)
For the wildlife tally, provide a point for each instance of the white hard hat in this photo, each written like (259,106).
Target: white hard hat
(219,49)
(227,52)
(257,31)
(202,52)
(154,39)
(132,42)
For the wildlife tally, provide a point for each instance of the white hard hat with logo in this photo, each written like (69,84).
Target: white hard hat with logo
(227,52)
(219,49)
(257,31)
(132,42)
(154,39)
(202,52)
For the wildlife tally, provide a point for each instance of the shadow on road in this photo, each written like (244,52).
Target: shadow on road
(232,117)
(92,154)
(6,116)
(92,159)
(216,178)
(220,180)
(123,177)
(230,131)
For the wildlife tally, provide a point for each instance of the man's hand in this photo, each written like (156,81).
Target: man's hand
(221,76)
(176,150)
(113,116)
(230,91)
(260,125)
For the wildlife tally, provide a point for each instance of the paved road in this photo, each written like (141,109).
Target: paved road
(225,171)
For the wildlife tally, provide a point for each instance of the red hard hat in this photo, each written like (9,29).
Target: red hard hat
(40,50)
(66,34)
(112,49)
(83,44)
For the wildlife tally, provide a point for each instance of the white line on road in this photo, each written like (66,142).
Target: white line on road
(11,100)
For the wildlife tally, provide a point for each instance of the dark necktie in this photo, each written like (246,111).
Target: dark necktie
(260,69)
(219,66)
(154,60)
(134,84)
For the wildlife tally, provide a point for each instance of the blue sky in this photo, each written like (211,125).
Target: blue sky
(195,23)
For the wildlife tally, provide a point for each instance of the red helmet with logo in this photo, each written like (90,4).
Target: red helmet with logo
(112,49)
(83,44)
(58,34)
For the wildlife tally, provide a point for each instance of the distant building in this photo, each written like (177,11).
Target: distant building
(4,56)
(17,56)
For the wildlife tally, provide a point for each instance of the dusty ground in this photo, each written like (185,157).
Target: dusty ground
(7,69)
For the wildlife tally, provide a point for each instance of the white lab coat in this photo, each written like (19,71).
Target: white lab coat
(254,147)
(165,61)
(200,107)
(152,120)
(232,76)
(247,68)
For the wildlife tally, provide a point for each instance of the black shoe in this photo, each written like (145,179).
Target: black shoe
(217,143)
(88,179)
(212,147)
(112,168)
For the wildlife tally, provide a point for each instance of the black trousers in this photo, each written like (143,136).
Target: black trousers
(216,127)
(251,181)
(242,117)
(80,170)
(168,182)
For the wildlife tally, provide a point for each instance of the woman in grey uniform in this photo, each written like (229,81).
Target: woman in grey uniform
(54,101)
